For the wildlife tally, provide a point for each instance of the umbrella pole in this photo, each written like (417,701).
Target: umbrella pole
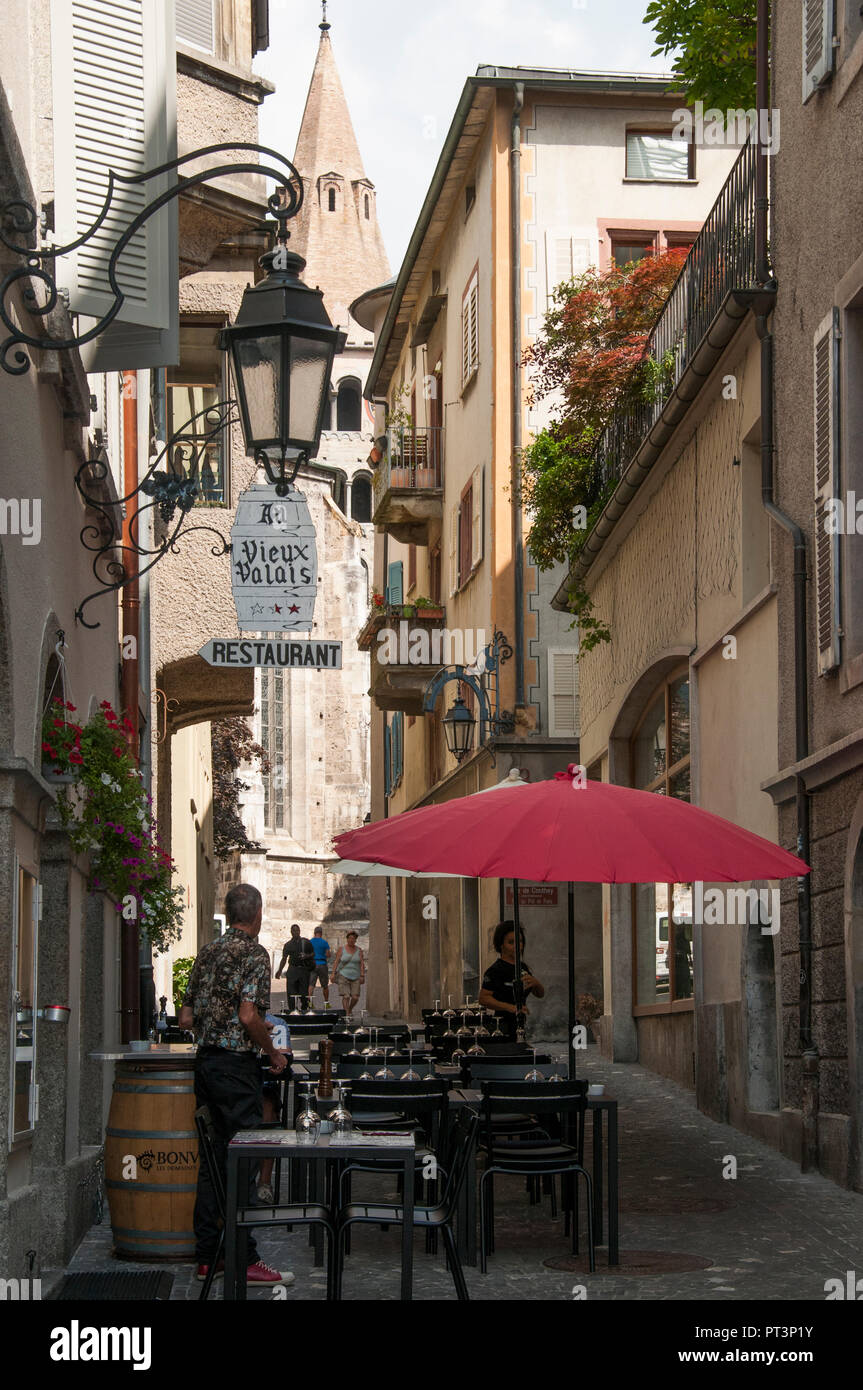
(517,990)
(570,954)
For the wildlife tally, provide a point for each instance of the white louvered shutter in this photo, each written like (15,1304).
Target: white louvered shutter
(476,494)
(565,257)
(114,100)
(470,331)
(195,24)
(826,558)
(818,30)
(562,693)
(453,551)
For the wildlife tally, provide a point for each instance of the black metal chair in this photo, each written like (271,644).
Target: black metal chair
(285,1214)
(565,1105)
(417,1106)
(431,1218)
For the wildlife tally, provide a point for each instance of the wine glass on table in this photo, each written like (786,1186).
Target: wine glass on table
(430,1076)
(437,1013)
(481,1031)
(534,1074)
(464,1031)
(410,1074)
(477,1050)
(385,1074)
(341,1118)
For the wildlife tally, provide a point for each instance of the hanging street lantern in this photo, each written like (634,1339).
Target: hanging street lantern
(458,726)
(282,346)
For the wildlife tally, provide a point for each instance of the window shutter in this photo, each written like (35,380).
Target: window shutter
(826,487)
(565,256)
(476,493)
(818,29)
(388,786)
(195,24)
(395,582)
(470,331)
(562,693)
(465,536)
(453,551)
(114,104)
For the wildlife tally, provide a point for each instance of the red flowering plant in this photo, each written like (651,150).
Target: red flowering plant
(110,818)
(592,359)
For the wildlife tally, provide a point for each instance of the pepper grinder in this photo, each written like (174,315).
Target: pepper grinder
(325,1080)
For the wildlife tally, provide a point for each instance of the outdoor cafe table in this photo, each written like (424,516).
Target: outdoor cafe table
(255,1144)
(599,1106)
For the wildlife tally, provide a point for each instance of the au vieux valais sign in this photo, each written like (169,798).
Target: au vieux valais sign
(274,562)
(274,580)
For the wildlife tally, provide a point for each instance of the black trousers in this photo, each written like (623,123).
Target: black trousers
(230,1083)
(298,983)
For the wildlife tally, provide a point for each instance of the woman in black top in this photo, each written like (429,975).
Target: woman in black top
(499,990)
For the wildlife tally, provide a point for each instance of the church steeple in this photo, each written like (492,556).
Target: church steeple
(337,230)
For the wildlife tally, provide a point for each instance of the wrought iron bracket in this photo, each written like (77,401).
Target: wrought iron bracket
(284,204)
(172,489)
(492,719)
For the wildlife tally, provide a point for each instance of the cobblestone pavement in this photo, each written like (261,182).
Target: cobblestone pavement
(770,1234)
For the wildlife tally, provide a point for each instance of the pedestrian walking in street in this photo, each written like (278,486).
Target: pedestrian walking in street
(226,1002)
(500,990)
(320,970)
(299,957)
(349,972)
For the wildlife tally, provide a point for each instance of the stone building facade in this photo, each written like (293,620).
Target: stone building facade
(449,344)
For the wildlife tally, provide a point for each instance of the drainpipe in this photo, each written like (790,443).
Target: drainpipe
(809,1157)
(130,1009)
(517,528)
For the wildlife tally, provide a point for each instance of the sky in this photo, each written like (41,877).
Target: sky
(403,64)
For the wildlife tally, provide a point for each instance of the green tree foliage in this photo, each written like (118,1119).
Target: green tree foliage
(232,746)
(716,43)
(591,356)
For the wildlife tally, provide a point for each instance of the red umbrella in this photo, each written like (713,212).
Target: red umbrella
(571,829)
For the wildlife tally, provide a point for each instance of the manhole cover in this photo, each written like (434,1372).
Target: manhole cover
(633,1262)
(668,1202)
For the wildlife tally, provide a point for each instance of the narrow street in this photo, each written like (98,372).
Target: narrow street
(772,1234)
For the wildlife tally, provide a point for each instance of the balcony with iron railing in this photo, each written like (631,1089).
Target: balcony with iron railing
(717,285)
(408,483)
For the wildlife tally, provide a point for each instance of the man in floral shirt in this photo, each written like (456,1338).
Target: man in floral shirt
(225,1002)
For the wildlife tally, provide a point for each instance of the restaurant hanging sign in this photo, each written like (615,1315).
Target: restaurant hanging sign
(274,562)
(238,653)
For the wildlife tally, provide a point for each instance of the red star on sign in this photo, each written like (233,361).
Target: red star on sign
(276,608)
(293,608)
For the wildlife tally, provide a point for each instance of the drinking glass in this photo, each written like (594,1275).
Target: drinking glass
(341,1118)
(449,1012)
(355,1051)
(308,1122)
(362,1029)
(431,1071)
(533,1074)
(296,1010)
(464,1031)
(437,1013)
(377,1050)
(410,1074)
(498,1031)
(482,1031)
(373,1042)
(476,1050)
(385,1074)
(458,1056)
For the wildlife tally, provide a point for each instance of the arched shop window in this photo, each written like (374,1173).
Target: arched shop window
(662,912)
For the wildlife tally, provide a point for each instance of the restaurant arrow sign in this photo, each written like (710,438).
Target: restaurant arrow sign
(239,652)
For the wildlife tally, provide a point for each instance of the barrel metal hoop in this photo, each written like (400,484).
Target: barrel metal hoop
(133,1186)
(151,1134)
(136,1231)
(153,1090)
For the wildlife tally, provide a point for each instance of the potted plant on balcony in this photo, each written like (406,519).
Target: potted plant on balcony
(428,608)
(399,420)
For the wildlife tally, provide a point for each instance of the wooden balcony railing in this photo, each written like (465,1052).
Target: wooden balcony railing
(414,461)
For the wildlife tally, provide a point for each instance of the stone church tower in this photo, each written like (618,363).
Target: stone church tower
(315,724)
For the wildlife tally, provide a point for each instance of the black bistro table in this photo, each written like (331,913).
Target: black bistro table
(255,1144)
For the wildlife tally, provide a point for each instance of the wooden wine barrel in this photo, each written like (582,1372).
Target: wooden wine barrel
(151,1159)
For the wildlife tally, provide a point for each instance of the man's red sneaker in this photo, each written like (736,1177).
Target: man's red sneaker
(203,1271)
(260,1273)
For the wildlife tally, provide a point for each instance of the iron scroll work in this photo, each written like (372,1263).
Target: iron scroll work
(177,487)
(284,204)
(492,719)
(172,490)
